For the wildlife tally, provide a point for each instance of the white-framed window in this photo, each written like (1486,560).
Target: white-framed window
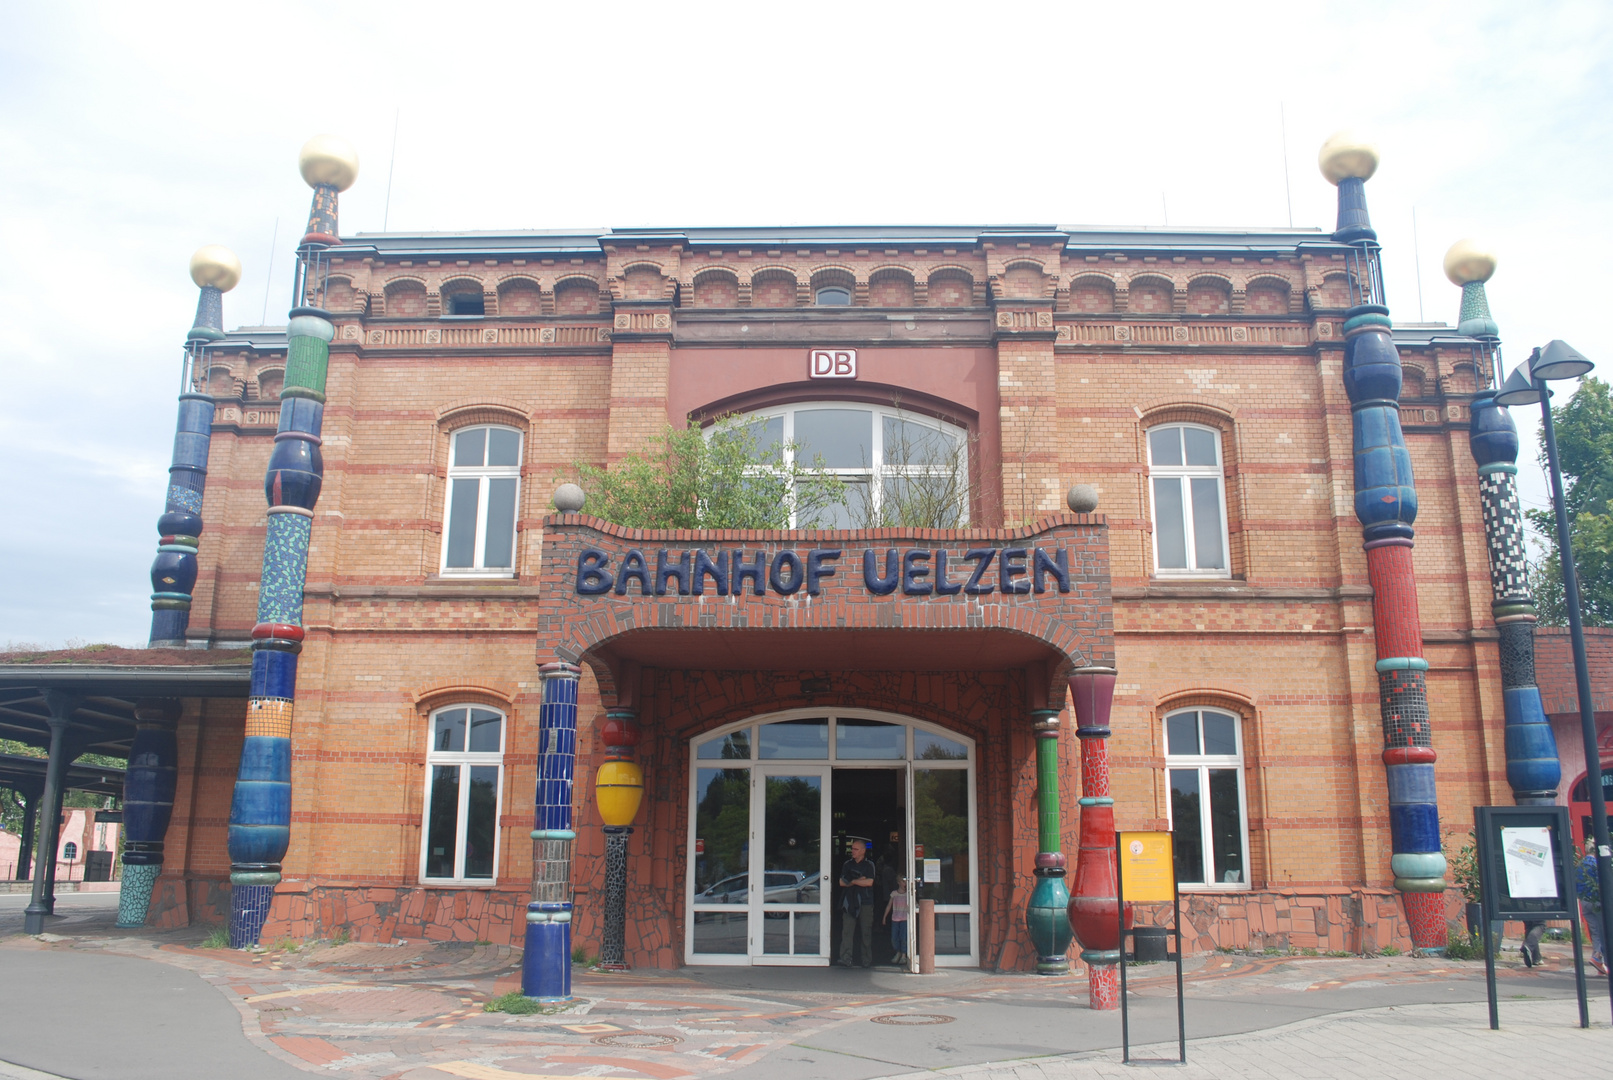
(1208,815)
(1187,488)
(464,786)
(833,296)
(899,467)
(484,482)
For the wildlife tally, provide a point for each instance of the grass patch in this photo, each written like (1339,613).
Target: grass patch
(514,1002)
(341,937)
(217,938)
(287,944)
(1389,950)
(1339,954)
(581,955)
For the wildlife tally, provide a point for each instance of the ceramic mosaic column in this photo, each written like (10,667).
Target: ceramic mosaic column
(1093,906)
(546,965)
(1386,506)
(260,814)
(1533,768)
(148,804)
(216,271)
(618,789)
(1047,915)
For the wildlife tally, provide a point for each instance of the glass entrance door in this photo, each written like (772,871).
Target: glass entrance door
(787,895)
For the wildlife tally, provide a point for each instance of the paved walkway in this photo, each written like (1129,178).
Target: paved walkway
(165,1008)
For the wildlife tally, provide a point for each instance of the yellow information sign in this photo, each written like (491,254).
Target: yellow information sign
(1147,870)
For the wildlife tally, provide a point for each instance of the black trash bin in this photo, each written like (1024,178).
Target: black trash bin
(1148,943)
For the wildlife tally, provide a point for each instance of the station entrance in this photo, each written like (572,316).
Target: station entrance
(775,802)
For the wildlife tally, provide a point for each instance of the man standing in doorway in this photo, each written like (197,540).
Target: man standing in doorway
(857,903)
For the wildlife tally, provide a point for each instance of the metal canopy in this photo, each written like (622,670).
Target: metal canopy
(27,774)
(103,722)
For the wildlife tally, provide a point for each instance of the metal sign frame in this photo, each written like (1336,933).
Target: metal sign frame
(1122,840)
(1496,899)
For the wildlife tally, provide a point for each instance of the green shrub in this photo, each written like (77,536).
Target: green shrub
(1462,945)
(217,938)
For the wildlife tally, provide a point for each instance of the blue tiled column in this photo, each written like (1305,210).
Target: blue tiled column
(546,966)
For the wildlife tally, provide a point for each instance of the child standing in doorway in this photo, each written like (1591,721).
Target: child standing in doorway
(896,915)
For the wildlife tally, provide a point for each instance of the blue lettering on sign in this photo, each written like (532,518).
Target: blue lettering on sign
(916,571)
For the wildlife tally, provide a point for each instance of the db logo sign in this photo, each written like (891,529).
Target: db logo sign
(833,363)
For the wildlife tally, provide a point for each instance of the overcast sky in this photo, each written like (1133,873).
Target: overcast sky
(131,134)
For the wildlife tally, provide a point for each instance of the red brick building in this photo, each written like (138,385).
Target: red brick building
(1192,377)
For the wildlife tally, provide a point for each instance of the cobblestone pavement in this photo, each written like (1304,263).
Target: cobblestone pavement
(414,1011)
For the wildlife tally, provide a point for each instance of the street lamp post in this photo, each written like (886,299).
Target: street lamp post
(1525,386)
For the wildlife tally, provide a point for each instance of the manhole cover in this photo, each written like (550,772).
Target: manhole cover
(640,1039)
(912,1019)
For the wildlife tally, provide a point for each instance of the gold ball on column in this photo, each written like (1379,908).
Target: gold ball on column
(215,265)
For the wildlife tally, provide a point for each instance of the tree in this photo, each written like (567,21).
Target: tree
(717,479)
(1584,427)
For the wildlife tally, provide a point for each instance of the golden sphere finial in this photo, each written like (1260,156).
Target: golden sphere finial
(328,159)
(1468,261)
(215,265)
(1347,154)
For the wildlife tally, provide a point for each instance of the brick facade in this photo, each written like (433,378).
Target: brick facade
(1056,350)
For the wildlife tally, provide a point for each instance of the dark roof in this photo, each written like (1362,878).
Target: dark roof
(592,241)
(1554,669)
(107,688)
(28,774)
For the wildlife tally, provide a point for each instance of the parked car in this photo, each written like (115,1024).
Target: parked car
(780,887)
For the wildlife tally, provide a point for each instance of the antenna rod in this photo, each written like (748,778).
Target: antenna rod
(386,213)
(269,274)
(1288,190)
(1417,254)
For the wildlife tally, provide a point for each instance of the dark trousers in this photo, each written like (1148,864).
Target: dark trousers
(863,923)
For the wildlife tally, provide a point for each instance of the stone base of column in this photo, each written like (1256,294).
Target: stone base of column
(1425,913)
(134,895)
(249,909)
(546,964)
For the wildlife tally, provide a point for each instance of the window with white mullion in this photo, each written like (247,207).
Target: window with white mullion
(464,788)
(1208,812)
(870,449)
(484,479)
(1187,495)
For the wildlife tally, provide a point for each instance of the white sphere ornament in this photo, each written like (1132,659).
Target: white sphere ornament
(328,159)
(1347,155)
(1083,498)
(1468,261)
(215,265)
(569,498)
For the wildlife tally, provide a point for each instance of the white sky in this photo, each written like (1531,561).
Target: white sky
(131,134)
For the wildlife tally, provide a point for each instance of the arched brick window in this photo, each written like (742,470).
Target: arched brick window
(464,784)
(484,480)
(1187,495)
(1208,807)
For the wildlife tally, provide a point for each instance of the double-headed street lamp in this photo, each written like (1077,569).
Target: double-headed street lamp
(1525,386)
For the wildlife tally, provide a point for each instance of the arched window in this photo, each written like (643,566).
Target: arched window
(1204,762)
(484,477)
(899,468)
(1188,489)
(69,851)
(464,777)
(834,296)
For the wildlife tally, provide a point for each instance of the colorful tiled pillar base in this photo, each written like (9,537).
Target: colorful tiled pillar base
(249,910)
(134,895)
(546,963)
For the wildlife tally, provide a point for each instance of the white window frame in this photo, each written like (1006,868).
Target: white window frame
(484,474)
(817,295)
(464,759)
(876,468)
(1183,474)
(909,763)
(1204,763)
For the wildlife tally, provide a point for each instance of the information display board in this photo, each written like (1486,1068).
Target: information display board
(1526,871)
(1147,867)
